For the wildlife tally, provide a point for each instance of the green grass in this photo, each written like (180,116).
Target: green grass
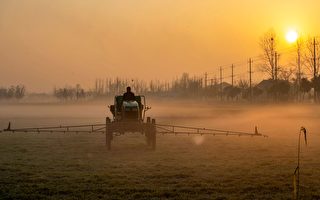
(78,166)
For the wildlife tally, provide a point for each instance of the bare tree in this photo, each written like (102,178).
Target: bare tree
(306,86)
(17,92)
(285,74)
(20,91)
(308,55)
(312,64)
(268,44)
(243,84)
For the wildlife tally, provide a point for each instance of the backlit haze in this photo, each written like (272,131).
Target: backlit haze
(53,43)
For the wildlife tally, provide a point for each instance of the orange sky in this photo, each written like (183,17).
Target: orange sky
(45,43)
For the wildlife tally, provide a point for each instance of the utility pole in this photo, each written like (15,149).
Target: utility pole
(205,80)
(221,83)
(250,77)
(314,70)
(276,65)
(299,68)
(272,53)
(232,75)
(276,74)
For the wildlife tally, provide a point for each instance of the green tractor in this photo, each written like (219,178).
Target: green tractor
(129,117)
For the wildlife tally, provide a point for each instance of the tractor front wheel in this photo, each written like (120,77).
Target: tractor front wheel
(150,132)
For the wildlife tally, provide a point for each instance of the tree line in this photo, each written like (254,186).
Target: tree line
(71,93)
(302,75)
(12,92)
(187,86)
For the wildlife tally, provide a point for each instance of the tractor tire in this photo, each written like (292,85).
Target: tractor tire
(153,134)
(148,131)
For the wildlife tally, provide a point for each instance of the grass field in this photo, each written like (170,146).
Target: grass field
(77,166)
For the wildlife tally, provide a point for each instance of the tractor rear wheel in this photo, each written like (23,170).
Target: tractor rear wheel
(147,130)
(153,134)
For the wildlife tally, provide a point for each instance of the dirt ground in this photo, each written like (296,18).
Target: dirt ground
(77,166)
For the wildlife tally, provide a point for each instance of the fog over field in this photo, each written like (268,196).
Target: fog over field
(78,166)
(219,76)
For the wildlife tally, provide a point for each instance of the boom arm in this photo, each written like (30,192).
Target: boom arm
(160,129)
(90,128)
(178,130)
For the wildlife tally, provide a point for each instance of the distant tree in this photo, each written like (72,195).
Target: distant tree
(316,86)
(72,93)
(268,44)
(11,92)
(17,92)
(3,93)
(80,93)
(231,91)
(20,91)
(286,74)
(280,89)
(244,87)
(309,54)
(243,84)
(256,91)
(313,47)
(283,86)
(186,85)
(305,86)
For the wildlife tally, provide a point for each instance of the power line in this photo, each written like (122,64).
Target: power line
(256,58)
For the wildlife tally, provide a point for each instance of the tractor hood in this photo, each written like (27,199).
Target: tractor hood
(130,105)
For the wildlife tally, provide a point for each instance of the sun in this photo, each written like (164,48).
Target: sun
(292,36)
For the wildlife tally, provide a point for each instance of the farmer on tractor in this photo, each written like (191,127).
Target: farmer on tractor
(129,96)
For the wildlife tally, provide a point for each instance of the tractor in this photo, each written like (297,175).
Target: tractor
(129,117)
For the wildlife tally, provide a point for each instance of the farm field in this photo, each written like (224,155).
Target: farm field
(77,166)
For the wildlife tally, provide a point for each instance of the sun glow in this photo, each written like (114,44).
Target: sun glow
(292,36)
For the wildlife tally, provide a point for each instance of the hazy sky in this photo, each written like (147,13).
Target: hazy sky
(45,43)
